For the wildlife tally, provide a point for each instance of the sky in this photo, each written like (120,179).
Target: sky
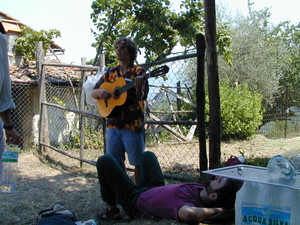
(72,19)
(280,10)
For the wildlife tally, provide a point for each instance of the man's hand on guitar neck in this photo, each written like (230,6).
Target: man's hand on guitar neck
(101,94)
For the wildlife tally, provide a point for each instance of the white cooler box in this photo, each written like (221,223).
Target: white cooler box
(262,200)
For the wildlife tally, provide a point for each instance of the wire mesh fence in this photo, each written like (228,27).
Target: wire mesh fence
(171,105)
(168,141)
(282,120)
(25,115)
(170,119)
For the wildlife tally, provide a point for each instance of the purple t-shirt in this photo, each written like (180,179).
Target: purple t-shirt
(165,201)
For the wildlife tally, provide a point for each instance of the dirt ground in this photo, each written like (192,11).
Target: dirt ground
(43,182)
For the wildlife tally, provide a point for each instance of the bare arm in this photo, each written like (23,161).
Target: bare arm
(5,116)
(12,136)
(196,214)
(101,93)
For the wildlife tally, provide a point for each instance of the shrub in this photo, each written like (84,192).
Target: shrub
(241,112)
(93,139)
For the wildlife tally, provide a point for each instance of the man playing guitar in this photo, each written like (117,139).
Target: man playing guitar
(125,124)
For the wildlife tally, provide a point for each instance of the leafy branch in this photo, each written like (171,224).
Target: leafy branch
(26,42)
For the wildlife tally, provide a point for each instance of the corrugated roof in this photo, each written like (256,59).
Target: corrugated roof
(54,75)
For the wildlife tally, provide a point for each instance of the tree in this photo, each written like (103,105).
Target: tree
(265,56)
(289,52)
(152,24)
(26,42)
(254,55)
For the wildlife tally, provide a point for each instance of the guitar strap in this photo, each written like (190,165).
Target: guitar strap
(120,75)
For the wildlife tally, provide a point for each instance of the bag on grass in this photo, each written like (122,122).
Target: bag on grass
(233,160)
(57,215)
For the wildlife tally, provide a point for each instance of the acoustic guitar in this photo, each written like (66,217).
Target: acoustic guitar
(119,90)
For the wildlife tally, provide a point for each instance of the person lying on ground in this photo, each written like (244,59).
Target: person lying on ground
(187,202)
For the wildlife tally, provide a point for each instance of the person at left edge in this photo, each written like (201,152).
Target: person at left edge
(6,102)
(125,126)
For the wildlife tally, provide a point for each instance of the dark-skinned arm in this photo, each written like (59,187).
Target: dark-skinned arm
(12,136)
(196,214)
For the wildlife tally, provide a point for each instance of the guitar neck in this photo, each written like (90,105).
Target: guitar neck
(130,85)
(154,73)
(126,87)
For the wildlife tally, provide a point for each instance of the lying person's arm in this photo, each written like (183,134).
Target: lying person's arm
(196,214)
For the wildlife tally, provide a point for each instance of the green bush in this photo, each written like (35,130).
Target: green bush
(241,112)
(92,139)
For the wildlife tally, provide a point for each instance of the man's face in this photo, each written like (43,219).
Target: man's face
(121,51)
(215,185)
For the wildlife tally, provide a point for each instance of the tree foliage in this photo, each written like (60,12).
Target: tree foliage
(288,35)
(255,59)
(266,56)
(152,24)
(26,41)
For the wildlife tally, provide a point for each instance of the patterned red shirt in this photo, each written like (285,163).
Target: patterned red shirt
(129,116)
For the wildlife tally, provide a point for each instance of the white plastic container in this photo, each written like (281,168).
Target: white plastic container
(263,200)
(8,178)
(261,204)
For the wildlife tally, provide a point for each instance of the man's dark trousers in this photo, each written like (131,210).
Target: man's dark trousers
(116,186)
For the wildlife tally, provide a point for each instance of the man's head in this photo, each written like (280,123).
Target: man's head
(222,192)
(131,47)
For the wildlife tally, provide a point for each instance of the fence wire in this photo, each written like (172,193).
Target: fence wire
(170,119)
(282,120)
(175,145)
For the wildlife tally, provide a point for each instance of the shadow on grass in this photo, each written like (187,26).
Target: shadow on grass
(44,181)
(41,185)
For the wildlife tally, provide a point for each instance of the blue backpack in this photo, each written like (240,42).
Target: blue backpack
(57,215)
